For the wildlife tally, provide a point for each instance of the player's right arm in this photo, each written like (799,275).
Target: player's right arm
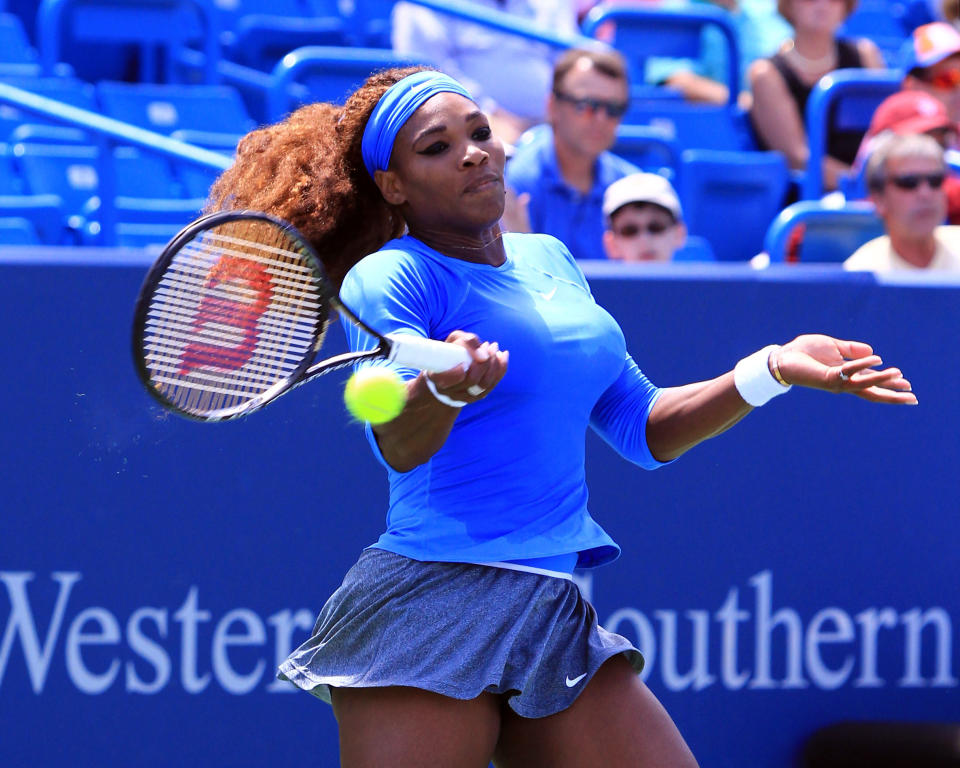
(424,424)
(389,291)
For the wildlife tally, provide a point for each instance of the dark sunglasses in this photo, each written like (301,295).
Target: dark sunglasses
(913,180)
(946,80)
(632,230)
(614,109)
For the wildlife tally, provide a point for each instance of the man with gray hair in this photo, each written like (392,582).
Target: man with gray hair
(905,175)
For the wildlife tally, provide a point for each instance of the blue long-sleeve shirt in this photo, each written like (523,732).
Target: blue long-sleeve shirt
(509,482)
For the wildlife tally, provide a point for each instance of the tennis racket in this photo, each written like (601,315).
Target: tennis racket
(234,312)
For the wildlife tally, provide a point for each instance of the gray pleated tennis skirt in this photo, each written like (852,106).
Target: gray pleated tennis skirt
(458,630)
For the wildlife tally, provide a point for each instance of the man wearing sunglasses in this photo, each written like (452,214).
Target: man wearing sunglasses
(931,63)
(910,112)
(644,219)
(905,175)
(563,168)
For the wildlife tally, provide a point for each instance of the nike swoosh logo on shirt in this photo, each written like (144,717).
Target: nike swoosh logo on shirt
(548,296)
(577,679)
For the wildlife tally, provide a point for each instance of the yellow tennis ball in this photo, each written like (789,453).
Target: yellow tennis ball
(376,395)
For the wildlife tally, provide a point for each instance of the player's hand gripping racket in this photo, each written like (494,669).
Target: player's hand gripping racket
(233,314)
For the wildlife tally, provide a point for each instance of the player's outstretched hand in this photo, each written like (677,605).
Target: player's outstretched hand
(823,362)
(488,367)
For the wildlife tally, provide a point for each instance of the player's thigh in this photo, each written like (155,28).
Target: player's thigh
(615,721)
(405,727)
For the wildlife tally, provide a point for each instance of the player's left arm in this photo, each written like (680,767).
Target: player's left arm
(684,416)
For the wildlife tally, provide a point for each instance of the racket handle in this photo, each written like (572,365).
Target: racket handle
(426,354)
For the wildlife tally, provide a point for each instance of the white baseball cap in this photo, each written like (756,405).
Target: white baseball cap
(641,188)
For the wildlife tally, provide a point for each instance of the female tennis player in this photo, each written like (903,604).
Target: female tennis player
(459,637)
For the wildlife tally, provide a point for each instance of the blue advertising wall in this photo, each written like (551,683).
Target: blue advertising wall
(798,570)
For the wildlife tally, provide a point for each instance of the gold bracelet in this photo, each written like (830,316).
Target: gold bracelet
(775,366)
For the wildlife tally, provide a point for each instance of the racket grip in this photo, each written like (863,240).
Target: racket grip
(426,354)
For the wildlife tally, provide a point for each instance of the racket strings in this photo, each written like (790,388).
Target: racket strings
(235,315)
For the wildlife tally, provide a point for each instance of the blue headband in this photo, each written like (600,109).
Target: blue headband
(395,107)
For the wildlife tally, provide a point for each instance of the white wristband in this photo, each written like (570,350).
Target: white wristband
(753,379)
(442,398)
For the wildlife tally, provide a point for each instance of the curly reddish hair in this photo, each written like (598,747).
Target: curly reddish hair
(308,170)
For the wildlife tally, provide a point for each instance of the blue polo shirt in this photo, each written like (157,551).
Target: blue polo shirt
(556,208)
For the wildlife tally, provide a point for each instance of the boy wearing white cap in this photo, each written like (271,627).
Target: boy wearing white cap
(644,219)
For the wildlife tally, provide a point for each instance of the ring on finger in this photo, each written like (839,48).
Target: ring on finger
(843,376)
(475,390)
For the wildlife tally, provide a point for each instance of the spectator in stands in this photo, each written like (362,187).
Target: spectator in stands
(907,112)
(759,31)
(905,175)
(912,112)
(931,63)
(508,75)
(644,219)
(782,84)
(948,9)
(565,167)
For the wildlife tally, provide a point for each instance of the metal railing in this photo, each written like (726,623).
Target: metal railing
(506,22)
(108,134)
(254,81)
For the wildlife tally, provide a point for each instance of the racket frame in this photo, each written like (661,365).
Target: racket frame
(407,350)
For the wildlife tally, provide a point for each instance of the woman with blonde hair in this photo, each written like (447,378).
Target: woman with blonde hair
(781,85)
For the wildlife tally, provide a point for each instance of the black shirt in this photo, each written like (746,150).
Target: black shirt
(842,145)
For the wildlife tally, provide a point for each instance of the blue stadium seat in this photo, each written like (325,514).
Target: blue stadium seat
(15,47)
(649,149)
(195,180)
(844,99)
(10,181)
(149,34)
(321,73)
(695,249)
(26,11)
(229,12)
(730,198)
(695,126)
(265,31)
(370,23)
(67,171)
(641,34)
(134,235)
(42,211)
(882,21)
(143,221)
(645,33)
(830,233)
(213,116)
(16,230)
(144,174)
(146,190)
(17,125)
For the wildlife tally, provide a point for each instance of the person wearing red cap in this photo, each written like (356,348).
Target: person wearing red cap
(915,112)
(912,111)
